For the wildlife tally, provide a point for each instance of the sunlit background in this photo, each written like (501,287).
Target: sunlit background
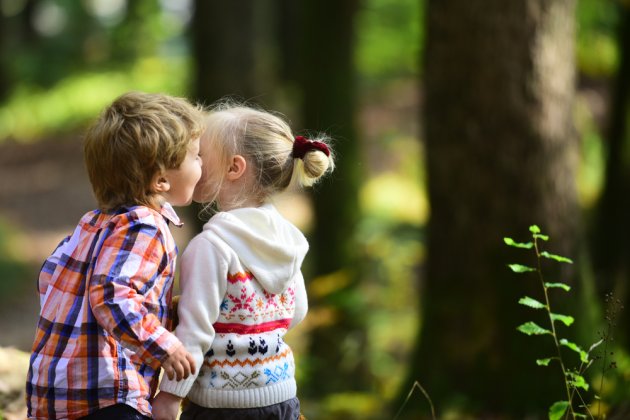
(64,60)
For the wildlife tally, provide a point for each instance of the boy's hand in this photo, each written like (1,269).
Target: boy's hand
(179,365)
(165,406)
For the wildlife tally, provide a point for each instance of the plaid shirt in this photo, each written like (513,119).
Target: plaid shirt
(102,333)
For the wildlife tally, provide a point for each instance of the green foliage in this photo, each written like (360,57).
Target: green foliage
(574,381)
(532,303)
(592,163)
(31,113)
(597,50)
(557,410)
(49,40)
(389,38)
(531,328)
(565,319)
(518,268)
(555,257)
(511,242)
(65,60)
(13,272)
(562,286)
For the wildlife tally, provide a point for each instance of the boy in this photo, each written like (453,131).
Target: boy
(103,332)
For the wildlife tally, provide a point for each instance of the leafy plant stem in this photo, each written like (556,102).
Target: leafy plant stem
(553,327)
(574,391)
(585,405)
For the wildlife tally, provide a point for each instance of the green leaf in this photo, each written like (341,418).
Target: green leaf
(555,257)
(565,319)
(532,303)
(575,348)
(511,242)
(531,328)
(543,362)
(557,410)
(542,237)
(518,268)
(580,415)
(577,380)
(566,287)
(534,229)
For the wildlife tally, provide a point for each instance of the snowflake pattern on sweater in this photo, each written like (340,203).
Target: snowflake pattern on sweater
(248,350)
(242,290)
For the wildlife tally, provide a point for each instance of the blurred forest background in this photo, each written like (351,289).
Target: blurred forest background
(456,123)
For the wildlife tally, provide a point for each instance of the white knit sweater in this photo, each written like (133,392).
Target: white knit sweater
(242,290)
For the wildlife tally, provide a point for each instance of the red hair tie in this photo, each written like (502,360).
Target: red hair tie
(302,145)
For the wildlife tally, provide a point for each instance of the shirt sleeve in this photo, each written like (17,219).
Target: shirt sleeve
(48,269)
(203,282)
(121,288)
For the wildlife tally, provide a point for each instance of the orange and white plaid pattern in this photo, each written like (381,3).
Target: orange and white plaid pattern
(103,327)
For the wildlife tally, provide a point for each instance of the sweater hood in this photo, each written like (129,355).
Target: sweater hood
(267,244)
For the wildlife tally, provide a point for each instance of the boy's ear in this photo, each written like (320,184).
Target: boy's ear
(237,168)
(159,183)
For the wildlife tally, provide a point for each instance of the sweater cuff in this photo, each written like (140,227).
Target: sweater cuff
(178,388)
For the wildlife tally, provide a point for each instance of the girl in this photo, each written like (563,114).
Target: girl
(242,288)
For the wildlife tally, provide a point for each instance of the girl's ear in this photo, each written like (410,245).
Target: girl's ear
(237,168)
(159,183)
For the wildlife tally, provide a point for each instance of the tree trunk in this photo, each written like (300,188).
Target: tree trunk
(223,45)
(611,251)
(288,38)
(224,50)
(328,83)
(502,155)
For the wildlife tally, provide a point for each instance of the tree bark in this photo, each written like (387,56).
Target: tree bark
(288,32)
(329,105)
(224,50)
(223,45)
(611,251)
(501,155)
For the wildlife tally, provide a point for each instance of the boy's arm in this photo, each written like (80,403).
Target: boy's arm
(203,282)
(123,282)
(165,406)
(48,269)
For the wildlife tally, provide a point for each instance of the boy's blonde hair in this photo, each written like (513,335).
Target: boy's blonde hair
(266,141)
(138,136)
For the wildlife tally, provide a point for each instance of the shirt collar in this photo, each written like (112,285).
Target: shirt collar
(169,214)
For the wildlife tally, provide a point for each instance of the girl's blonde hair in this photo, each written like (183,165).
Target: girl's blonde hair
(266,141)
(136,137)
